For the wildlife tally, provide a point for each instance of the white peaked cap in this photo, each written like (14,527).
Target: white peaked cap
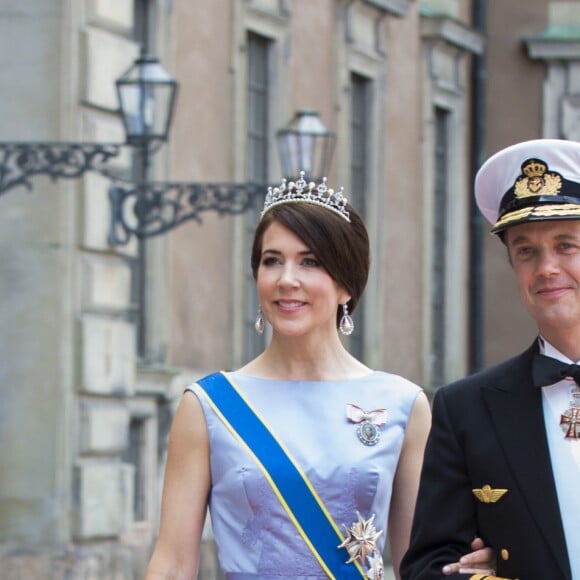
(530,181)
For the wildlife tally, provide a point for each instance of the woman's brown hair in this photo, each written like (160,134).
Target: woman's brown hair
(341,247)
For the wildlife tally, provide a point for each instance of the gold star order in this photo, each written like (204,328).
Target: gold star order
(361,539)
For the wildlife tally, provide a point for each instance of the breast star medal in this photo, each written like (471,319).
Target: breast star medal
(570,418)
(376,569)
(361,544)
(367,422)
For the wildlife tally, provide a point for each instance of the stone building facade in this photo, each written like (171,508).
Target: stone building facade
(533,59)
(97,341)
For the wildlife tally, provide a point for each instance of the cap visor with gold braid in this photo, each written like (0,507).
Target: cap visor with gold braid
(531,181)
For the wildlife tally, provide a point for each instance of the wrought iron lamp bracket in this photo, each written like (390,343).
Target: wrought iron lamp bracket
(19,162)
(153,208)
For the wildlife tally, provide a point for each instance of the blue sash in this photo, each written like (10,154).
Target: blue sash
(290,484)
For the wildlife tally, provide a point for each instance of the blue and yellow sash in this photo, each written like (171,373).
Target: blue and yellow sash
(290,484)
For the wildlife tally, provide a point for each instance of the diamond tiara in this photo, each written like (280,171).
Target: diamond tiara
(301,191)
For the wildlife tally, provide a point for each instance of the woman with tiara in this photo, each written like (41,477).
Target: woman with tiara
(308,460)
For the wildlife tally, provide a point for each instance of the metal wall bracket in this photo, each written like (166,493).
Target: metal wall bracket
(19,162)
(153,208)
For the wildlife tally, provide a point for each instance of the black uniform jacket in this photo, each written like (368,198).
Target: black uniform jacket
(488,430)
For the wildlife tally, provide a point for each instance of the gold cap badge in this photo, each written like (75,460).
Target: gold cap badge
(537,180)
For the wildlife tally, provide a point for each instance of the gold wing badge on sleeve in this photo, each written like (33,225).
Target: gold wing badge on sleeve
(486,577)
(488,494)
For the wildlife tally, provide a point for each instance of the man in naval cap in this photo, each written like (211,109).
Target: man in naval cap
(503,457)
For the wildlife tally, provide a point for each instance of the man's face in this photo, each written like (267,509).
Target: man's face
(545,256)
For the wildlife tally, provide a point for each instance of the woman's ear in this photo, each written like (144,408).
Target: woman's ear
(344,297)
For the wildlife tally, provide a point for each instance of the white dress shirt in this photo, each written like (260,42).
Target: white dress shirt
(565,456)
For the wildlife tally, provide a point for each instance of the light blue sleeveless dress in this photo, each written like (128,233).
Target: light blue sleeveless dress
(254,535)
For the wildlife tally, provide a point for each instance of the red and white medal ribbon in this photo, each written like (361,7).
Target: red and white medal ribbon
(368,422)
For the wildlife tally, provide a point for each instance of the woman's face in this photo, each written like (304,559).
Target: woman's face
(296,293)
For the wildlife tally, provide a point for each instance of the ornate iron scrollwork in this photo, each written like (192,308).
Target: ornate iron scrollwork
(19,162)
(150,209)
(141,209)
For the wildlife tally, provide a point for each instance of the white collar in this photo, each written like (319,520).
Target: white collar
(548,349)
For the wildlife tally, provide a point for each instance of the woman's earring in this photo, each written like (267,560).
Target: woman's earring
(259,323)
(346,325)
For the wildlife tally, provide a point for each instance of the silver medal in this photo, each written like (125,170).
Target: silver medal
(368,433)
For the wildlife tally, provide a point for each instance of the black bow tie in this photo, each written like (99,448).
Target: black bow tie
(547,371)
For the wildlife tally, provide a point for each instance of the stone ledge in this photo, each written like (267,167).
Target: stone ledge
(91,562)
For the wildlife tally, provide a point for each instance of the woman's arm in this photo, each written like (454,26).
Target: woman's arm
(405,489)
(406,482)
(186,489)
